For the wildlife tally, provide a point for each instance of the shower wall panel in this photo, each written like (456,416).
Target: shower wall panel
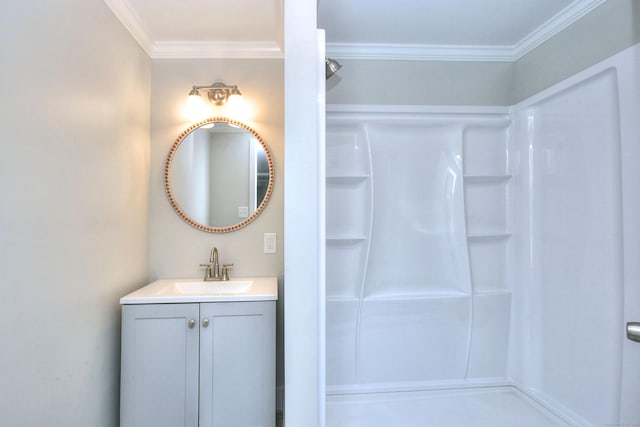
(415,300)
(571,308)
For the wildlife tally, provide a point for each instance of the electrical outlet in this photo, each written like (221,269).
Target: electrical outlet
(269,243)
(243,211)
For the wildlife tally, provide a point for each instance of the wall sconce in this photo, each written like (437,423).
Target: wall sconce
(219,94)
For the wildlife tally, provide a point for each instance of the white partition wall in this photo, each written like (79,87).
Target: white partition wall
(304,217)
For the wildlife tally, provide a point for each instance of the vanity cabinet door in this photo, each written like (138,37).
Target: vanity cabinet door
(159,379)
(237,364)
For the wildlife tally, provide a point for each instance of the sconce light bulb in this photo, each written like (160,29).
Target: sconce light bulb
(195,108)
(235,106)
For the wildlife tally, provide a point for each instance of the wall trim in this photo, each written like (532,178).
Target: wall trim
(191,49)
(497,53)
(553,26)
(184,50)
(418,109)
(418,52)
(361,51)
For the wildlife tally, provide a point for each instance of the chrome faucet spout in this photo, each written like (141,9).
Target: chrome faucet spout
(212,270)
(215,266)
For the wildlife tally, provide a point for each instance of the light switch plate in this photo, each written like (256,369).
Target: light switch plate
(243,211)
(269,243)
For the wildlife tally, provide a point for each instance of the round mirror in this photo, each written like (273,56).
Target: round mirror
(219,175)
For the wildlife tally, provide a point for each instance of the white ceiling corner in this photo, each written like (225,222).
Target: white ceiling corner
(131,22)
(156,45)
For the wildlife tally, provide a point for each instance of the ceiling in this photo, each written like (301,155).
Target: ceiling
(497,30)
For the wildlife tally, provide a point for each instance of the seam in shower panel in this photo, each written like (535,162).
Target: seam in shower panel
(620,225)
(531,256)
(466,241)
(365,131)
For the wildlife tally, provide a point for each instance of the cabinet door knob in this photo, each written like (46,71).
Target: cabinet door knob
(205,322)
(191,323)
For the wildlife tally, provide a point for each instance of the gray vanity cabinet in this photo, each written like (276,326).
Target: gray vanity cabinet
(198,365)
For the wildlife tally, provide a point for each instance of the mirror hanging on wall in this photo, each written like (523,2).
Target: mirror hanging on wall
(219,175)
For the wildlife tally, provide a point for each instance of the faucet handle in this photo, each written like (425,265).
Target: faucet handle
(207,271)
(225,271)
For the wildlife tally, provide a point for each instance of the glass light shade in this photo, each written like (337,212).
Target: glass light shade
(236,107)
(195,108)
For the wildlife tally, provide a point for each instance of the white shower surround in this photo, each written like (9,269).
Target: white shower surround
(473,246)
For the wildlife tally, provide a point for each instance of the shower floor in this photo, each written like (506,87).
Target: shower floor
(479,407)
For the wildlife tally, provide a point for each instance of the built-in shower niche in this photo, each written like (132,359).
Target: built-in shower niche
(488,256)
(488,198)
(348,198)
(343,280)
(348,216)
(486,150)
(347,151)
(348,209)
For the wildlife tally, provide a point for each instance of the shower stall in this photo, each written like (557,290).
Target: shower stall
(481,262)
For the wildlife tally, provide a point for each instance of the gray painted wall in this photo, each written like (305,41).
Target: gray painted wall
(421,83)
(74,116)
(176,249)
(607,30)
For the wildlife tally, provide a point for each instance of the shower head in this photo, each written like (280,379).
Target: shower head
(331,66)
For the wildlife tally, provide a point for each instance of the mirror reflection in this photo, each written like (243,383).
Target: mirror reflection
(219,175)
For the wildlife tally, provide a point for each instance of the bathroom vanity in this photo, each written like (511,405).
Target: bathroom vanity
(199,354)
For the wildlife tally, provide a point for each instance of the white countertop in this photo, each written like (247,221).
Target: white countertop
(172,291)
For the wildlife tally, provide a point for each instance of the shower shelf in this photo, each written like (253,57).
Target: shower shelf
(342,299)
(346,179)
(488,236)
(492,292)
(346,238)
(486,179)
(416,296)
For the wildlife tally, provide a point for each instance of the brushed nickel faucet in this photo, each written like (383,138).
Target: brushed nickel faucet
(212,270)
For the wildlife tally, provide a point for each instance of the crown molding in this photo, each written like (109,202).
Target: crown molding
(424,52)
(417,52)
(131,22)
(553,26)
(185,50)
(375,51)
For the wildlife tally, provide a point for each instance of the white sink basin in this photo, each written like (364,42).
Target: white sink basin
(193,290)
(205,288)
